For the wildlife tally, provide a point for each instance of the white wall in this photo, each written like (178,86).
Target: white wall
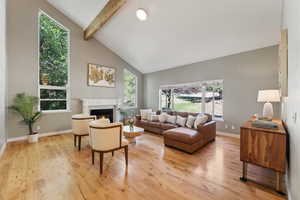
(2,71)
(292,12)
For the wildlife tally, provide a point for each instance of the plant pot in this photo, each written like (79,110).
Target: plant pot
(33,138)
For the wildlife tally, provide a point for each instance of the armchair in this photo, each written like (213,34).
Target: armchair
(80,127)
(107,138)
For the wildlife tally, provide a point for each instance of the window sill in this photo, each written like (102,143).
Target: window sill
(218,119)
(56,111)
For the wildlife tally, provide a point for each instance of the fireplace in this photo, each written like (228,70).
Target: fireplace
(100,113)
(100,107)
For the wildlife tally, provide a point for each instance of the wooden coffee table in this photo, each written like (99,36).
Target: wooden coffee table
(132,132)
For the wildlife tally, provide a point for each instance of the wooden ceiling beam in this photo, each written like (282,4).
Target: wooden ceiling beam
(105,14)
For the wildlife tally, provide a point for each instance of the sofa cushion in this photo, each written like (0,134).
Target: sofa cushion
(149,115)
(171,119)
(200,120)
(154,118)
(190,121)
(149,123)
(154,124)
(167,126)
(180,121)
(162,117)
(184,135)
(145,112)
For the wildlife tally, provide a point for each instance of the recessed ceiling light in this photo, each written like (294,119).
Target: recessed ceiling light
(141,14)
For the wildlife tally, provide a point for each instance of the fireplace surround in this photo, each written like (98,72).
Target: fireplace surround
(107,107)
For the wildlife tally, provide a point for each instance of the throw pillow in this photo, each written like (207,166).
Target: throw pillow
(180,121)
(144,113)
(201,119)
(162,117)
(149,115)
(154,118)
(171,119)
(190,121)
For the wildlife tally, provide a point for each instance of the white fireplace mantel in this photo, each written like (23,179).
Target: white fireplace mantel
(91,104)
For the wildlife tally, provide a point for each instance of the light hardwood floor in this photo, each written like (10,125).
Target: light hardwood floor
(53,169)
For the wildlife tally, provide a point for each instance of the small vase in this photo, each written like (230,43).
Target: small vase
(33,138)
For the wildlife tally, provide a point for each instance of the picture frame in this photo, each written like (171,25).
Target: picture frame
(101,76)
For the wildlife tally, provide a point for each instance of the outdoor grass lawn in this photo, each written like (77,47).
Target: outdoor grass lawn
(188,107)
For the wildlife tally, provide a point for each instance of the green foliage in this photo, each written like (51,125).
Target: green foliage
(53,105)
(129,89)
(127,113)
(26,106)
(53,52)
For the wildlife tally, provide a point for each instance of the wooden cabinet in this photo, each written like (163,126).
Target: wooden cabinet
(265,148)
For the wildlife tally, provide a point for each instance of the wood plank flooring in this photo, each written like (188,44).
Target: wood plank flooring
(53,169)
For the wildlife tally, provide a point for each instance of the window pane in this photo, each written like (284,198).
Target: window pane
(53,53)
(214,90)
(53,94)
(209,95)
(130,89)
(187,99)
(53,105)
(166,99)
(219,101)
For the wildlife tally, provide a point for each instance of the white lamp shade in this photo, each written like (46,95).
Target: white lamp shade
(268,96)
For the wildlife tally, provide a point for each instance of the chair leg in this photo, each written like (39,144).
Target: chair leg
(112,153)
(79,143)
(93,157)
(126,155)
(101,162)
(75,140)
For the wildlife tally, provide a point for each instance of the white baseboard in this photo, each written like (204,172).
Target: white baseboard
(228,134)
(40,135)
(2,149)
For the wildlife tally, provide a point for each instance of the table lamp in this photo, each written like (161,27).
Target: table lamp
(268,96)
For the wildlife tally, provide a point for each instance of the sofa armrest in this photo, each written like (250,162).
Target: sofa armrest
(138,117)
(208,129)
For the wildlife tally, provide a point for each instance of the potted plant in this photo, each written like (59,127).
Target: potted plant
(26,107)
(128,116)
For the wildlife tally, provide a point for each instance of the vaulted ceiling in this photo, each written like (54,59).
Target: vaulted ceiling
(180,32)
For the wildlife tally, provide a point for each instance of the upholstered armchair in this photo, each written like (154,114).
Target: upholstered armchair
(106,138)
(80,127)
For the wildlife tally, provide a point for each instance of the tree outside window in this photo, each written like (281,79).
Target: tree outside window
(130,89)
(53,64)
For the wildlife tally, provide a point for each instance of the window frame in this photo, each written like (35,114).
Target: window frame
(49,87)
(136,90)
(203,86)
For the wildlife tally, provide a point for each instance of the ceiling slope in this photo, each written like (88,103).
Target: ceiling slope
(181,32)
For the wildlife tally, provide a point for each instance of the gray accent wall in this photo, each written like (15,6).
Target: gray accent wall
(243,74)
(22,44)
(292,14)
(2,72)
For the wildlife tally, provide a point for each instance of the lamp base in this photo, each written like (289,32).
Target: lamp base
(268,110)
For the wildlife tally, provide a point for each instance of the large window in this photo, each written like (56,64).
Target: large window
(130,89)
(205,97)
(53,65)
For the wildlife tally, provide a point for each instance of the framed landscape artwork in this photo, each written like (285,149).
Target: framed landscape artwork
(101,76)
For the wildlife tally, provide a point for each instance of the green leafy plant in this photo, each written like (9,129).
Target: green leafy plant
(26,107)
